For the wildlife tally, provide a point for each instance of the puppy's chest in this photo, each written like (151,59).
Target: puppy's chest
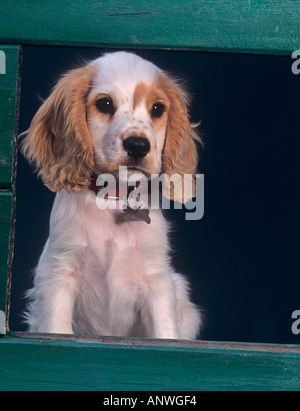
(106,239)
(112,244)
(106,230)
(114,260)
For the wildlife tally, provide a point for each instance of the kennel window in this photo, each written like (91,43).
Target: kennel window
(238,31)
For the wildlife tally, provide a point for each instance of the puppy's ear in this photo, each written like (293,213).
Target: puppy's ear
(58,141)
(180,155)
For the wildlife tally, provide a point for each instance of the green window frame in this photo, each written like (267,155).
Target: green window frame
(35,361)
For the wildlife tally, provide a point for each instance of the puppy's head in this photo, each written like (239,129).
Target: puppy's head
(119,110)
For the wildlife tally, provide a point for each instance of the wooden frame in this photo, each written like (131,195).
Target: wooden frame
(52,362)
(68,362)
(251,26)
(9,104)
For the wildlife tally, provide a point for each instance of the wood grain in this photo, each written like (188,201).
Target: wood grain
(251,26)
(8,113)
(6,200)
(39,364)
(147,342)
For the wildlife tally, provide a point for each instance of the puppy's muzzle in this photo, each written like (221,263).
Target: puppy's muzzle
(136,147)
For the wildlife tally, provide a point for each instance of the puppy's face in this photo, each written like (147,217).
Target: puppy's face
(127,114)
(119,110)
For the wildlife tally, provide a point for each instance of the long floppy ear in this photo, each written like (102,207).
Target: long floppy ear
(180,155)
(58,142)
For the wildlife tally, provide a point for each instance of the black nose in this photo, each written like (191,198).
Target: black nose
(136,147)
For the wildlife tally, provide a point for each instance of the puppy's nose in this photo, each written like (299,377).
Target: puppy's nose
(136,147)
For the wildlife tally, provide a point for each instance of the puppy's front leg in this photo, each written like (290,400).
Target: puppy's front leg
(51,299)
(163,306)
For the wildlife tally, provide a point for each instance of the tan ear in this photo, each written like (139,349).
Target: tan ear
(180,155)
(58,142)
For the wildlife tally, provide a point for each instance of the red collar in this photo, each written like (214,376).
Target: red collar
(93,187)
(136,214)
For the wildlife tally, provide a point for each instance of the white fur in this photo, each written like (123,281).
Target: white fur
(95,275)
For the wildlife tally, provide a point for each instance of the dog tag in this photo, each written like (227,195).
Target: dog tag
(141,214)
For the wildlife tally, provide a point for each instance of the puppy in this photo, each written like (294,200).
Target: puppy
(101,273)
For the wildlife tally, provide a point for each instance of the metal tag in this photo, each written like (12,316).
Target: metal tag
(140,214)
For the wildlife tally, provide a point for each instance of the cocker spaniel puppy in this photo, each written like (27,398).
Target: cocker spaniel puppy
(107,271)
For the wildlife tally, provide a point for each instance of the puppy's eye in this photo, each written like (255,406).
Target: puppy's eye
(157,110)
(105,106)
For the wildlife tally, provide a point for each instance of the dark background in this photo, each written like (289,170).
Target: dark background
(242,257)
